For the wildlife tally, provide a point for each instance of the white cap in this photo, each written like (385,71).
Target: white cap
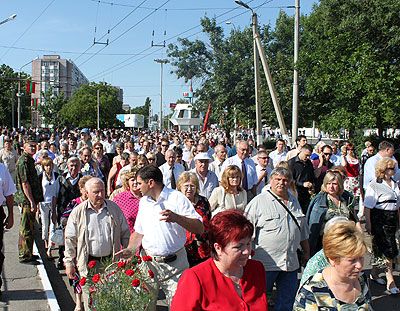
(202,156)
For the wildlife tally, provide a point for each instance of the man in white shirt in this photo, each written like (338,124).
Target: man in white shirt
(207,179)
(279,154)
(160,228)
(187,149)
(219,158)
(263,170)
(171,170)
(246,165)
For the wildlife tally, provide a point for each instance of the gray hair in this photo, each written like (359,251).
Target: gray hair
(73,159)
(93,181)
(282,172)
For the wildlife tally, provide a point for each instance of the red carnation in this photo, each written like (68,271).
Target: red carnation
(82,281)
(121,264)
(92,264)
(139,260)
(135,283)
(129,272)
(151,274)
(147,258)
(92,289)
(96,278)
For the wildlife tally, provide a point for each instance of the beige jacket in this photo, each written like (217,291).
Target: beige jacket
(76,248)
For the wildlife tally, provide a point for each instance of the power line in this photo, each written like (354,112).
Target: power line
(66,52)
(112,28)
(122,64)
(178,9)
(29,27)
(126,31)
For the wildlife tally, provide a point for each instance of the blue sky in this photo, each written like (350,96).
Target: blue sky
(68,28)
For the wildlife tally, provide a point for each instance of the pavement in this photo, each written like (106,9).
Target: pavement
(44,287)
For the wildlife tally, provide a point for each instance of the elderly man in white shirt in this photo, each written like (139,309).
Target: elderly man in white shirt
(208,181)
(247,166)
(171,170)
(219,158)
(263,170)
(160,228)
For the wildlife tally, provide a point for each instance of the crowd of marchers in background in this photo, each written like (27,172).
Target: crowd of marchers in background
(197,200)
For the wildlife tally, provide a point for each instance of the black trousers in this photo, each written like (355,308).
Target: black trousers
(2,219)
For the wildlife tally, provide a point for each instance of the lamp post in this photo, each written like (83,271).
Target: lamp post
(295,108)
(10,18)
(259,52)
(19,95)
(161,62)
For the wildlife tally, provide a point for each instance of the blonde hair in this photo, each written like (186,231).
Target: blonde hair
(128,175)
(185,177)
(343,239)
(333,176)
(382,165)
(230,171)
(83,180)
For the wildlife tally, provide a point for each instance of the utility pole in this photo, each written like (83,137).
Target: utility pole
(295,108)
(257,80)
(161,62)
(98,109)
(271,87)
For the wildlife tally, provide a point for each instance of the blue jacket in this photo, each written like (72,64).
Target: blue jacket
(316,216)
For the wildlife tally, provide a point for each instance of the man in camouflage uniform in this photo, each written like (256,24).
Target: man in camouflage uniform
(30,187)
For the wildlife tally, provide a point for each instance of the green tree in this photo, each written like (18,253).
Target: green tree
(144,110)
(8,99)
(51,108)
(81,109)
(350,63)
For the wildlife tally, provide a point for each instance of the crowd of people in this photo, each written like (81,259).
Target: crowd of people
(225,224)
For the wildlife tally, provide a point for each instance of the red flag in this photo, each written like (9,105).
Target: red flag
(207,117)
(30,87)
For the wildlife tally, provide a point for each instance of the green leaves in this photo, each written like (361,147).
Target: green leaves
(81,109)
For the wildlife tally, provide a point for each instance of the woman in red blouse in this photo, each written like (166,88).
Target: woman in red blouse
(229,280)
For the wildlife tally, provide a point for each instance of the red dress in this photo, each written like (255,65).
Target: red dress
(205,288)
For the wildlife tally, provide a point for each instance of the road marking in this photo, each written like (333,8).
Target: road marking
(51,297)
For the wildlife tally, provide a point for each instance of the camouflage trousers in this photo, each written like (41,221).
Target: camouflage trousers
(26,231)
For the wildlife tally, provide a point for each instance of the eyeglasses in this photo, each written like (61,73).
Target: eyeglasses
(151,159)
(327,154)
(98,148)
(191,142)
(263,158)
(390,168)
(186,187)
(164,145)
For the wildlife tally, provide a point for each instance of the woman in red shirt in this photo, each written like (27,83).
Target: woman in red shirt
(229,280)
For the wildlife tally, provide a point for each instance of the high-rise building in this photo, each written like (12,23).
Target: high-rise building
(62,75)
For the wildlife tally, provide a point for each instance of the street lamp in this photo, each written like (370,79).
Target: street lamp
(259,52)
(161,62)
(19,95)
(10,18)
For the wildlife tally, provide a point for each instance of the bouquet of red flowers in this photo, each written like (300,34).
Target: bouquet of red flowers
(123,285)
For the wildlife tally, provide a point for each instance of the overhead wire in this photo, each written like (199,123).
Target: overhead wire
(126,31)
(123,64)
(28,28)
(112,28)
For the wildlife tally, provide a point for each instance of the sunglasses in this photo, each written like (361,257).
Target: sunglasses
(164,145)
(328,154)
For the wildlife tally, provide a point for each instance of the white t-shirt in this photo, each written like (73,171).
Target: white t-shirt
(382,196)
(162,238)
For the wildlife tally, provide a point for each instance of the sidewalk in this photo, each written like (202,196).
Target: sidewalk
(22,286)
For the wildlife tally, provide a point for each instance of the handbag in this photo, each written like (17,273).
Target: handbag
(57,236)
